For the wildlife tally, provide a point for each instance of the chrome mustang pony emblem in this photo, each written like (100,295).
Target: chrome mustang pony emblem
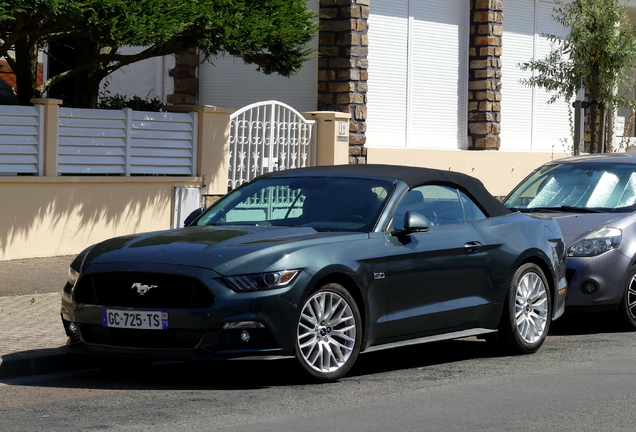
(142,289)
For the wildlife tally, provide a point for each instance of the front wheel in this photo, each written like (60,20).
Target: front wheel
(528,310)
(329,333)
(627,307)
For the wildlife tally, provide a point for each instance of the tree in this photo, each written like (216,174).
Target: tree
(271,34)
(597,55)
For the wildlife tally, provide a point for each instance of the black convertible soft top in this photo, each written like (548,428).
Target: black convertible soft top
(412,176)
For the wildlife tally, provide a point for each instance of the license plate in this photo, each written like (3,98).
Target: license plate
(147,320)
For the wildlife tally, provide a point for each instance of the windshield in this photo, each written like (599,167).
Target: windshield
(325,204)
(578,187)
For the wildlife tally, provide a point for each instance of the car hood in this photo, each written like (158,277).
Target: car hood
(226,250)
(575,226)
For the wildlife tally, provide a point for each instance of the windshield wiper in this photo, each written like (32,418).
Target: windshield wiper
(558,209)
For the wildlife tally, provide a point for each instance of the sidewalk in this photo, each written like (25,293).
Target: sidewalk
(30,326)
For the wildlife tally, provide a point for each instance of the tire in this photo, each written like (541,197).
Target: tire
(328,334)
(527,311)
(627,307)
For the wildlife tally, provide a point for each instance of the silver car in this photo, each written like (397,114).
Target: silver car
(593,198)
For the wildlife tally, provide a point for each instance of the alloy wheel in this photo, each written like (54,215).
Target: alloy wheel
(630,298)
(326,332)
(531,307)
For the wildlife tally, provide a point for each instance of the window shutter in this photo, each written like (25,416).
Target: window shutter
(388,66)
(528,123)
(417,74)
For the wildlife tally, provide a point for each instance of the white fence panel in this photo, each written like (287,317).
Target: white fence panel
(163,143)
(268,136)
(91,141)
(21,135)
(126,142)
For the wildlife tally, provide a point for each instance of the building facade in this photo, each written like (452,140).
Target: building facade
(427,82)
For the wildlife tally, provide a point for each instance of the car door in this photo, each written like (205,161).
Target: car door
(438,278)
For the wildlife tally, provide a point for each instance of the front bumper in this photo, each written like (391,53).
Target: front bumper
(559,307)
(607,273)
(194,333)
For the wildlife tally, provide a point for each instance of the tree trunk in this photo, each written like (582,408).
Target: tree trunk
(601,129)
(604,131)
(593,128)
(26,69)
(86,88)
(595,145)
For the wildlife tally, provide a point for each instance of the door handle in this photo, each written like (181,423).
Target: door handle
(472,247)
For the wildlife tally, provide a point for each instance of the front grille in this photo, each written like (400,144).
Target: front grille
(148,290)
(160,339)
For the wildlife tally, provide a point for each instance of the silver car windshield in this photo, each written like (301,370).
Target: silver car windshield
(580,186)
(325,204)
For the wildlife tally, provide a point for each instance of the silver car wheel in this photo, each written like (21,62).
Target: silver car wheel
(326,332)
(531,307)
(631,298)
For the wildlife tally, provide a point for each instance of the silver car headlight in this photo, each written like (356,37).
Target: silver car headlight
(73,276)
(261,281)
(76,266)
(596,243)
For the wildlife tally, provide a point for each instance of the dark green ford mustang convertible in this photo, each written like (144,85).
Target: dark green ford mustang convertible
(321,264)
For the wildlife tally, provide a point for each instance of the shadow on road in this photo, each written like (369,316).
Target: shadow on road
(254,374)
(418,356)
(248,374)
(586,323)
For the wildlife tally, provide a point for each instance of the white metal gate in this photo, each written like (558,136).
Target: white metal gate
(268,136)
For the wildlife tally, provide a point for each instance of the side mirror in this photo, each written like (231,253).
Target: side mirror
(192,216)
(413,222)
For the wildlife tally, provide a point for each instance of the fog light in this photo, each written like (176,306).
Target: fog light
(242,325)
(588,288)
(72,328)
(245,336)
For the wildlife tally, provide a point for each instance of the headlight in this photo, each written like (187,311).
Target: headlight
(262,281)
(76,266)
(73,276)
(596,243)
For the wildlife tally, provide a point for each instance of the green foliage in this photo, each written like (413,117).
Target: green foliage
(597,54)
(117,102)
(271,34)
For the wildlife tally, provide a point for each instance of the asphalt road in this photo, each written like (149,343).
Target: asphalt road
(583,379)
(34,275)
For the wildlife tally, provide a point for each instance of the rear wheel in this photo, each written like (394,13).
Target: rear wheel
(528,310)
(328,334)
(627,307)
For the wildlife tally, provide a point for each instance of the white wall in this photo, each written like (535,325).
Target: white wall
(146,79)
(229,82)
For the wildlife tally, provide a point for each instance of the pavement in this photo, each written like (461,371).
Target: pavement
(30,326)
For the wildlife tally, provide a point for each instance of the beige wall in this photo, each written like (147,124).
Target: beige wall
(48,216)
(59,215)
(499,171)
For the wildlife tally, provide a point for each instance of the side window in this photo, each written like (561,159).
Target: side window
(441,205)
(269,204)
(473,213)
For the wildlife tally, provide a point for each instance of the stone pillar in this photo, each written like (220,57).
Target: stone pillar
(332,136)
(51,116)
(342,66)
(484,87)
(186,80)
(213,146)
